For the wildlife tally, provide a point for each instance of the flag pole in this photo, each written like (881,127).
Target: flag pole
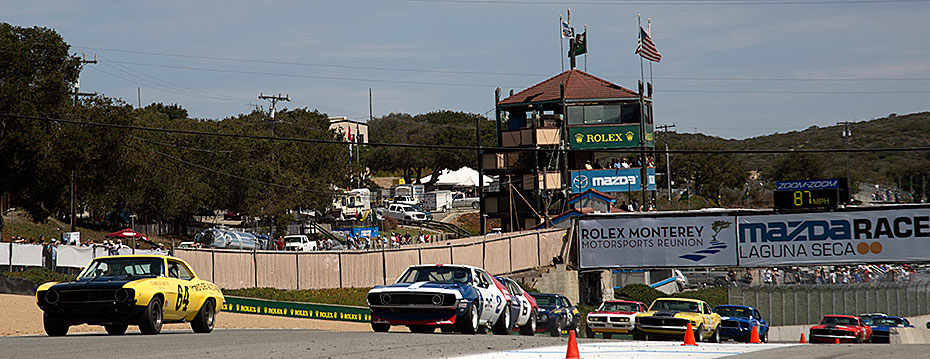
(651,81)
(561,43)
(643,174)
(585,47)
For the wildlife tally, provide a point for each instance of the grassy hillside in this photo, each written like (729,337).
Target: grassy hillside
(890,168)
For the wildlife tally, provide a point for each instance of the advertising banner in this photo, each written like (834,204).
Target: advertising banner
(612,242)
(358,232)
(297,310)
(611,180)
(881,236)
(607,136)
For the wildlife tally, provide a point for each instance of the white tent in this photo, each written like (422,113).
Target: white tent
(462,177)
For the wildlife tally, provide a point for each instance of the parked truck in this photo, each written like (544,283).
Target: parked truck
(437,201)
(459,200)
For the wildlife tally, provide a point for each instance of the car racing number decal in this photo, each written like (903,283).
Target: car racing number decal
(500,303)
(184,296)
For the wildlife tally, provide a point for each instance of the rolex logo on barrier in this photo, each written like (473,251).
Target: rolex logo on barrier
(629,135)
(579,138)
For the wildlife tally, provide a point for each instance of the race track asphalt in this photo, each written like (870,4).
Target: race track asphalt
(287,343)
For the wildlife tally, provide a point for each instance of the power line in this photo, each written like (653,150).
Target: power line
(457,147)
(493,85)
(670,2)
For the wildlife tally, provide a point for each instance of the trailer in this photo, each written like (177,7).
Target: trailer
(437,201)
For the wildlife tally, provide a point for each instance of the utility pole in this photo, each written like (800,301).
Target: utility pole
(73,211)
(77,83)
(274,101)
(668,163)
(846,135)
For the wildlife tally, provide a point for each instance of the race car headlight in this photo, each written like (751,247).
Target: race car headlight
(437,299)
(543,316)
(123,295)
(51,297)
(385,298)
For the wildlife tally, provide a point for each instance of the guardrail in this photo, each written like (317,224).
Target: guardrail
(458,232)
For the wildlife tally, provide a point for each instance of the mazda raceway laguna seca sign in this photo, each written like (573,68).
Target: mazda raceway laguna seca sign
(820,238)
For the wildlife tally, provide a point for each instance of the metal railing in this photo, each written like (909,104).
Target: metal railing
(797,304)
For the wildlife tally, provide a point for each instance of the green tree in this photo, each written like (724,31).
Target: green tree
(708,173)
(36,75)
(797,166)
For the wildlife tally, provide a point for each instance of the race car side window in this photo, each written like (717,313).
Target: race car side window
(755,314)
(178,270)
(485,279)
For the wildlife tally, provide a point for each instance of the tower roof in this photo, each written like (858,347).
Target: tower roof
(579,85)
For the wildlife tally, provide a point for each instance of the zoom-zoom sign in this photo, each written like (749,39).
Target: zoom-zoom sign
(836,237)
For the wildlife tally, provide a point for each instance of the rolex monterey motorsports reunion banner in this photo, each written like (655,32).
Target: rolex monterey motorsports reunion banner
(657,242)
(817,238)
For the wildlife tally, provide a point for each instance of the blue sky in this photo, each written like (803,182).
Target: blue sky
(730,68)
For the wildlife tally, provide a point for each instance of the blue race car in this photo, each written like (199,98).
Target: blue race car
(881,327)
(738,320)
(457,297)
(556,312)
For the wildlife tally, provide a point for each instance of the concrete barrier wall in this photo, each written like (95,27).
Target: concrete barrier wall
(365,268)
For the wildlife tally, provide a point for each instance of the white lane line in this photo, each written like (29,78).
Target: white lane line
(639,350)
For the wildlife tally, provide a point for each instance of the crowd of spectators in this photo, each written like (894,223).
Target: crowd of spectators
(618,163)
(851,274)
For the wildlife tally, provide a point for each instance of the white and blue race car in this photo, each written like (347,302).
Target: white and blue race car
(458,298)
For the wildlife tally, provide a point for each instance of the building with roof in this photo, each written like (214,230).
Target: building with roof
(561,137)
(351,130)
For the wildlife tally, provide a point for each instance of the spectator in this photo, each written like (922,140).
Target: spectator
(747,277)
(279,243)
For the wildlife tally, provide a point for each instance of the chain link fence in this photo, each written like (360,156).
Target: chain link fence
(501,254)
(798,304)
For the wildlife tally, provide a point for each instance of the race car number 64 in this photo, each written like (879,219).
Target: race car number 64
(183,298)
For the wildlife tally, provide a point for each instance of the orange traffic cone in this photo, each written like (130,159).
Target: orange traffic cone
(837,340)
(803,341)
(689,336)
(754,337)
(572,352)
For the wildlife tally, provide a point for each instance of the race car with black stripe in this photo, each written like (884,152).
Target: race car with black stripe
(458,298)
(119,291)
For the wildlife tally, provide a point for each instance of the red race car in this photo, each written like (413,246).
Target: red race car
(846,328)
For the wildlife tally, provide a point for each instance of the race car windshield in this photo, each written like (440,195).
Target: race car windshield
(619,307)
(546,300)
(733,312)
(839,321)
(676,306)
(887,321)
(124,267)
(450,275)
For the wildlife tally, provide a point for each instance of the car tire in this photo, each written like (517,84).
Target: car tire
(555,330)
(206,317)
(116,329)
(588,333)
(765,337)
(530,327)
(638,335)
(715,338)
(503,326)
(53,327)
(699,333)
(380,327)
(475,205)
(468,324)
(150,320)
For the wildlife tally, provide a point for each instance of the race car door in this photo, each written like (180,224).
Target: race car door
(492,297)
(178,303)
(520,299)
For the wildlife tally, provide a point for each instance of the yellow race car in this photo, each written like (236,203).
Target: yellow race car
(118,291)
(669,317)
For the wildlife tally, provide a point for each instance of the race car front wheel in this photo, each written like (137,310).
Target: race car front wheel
(468,324)
(530,327)
(203,322)
(150,322)
(502,327)
(116,329)
(53,327)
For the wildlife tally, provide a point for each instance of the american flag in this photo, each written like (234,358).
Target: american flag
(646,48)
